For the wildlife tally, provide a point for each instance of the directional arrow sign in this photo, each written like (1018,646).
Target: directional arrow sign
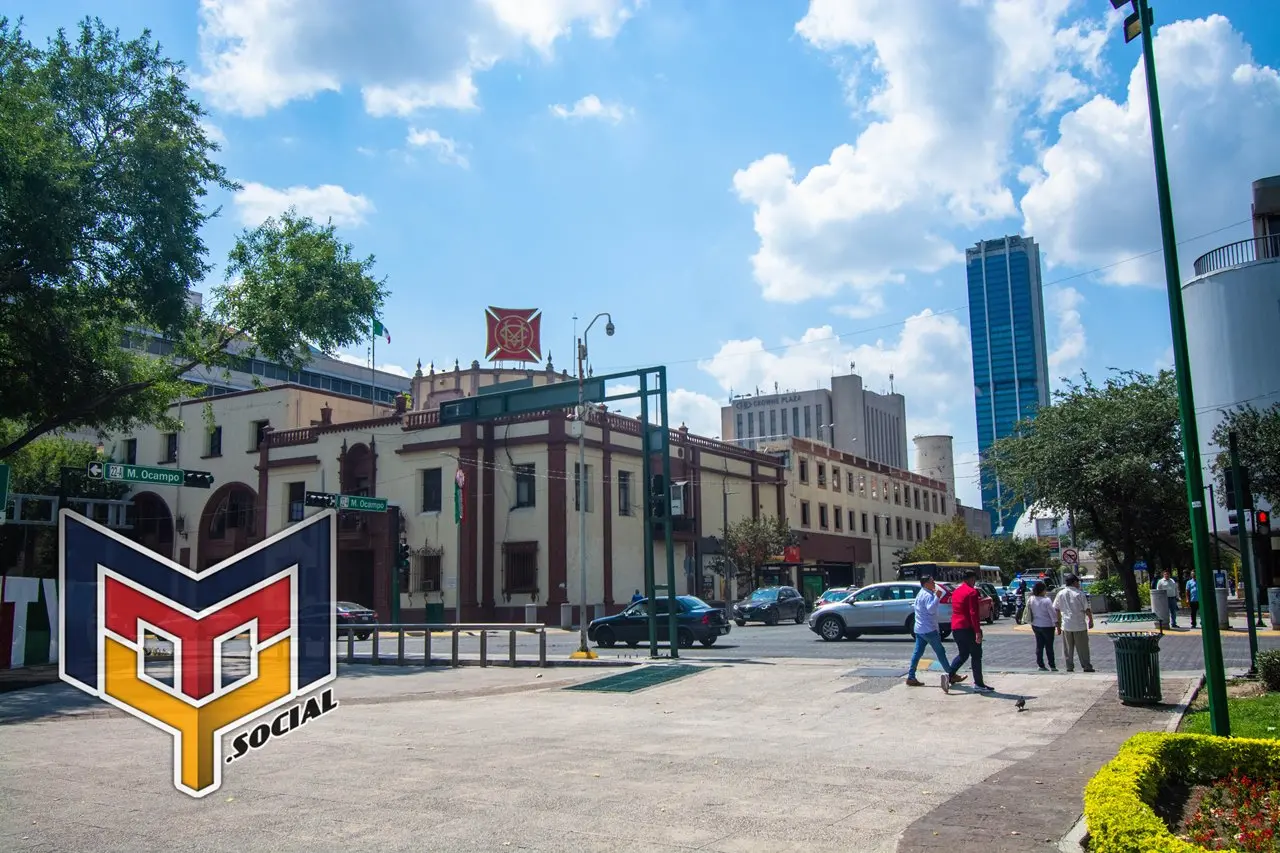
(361,503)
(136,474)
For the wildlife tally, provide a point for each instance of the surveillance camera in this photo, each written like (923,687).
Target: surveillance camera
(608,328)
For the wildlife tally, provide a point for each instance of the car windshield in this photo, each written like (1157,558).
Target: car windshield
(692,602)
(347,605)
(835,594)
(764,595)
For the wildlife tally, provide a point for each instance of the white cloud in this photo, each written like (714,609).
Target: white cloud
(1165,361)
(589,107)
(213,132)
(257,202)
(363,361)
(930,362)
(1065,358)
(1092,202)
(936,150)
(698,411)
(403,55)
(445,148)
(968,478)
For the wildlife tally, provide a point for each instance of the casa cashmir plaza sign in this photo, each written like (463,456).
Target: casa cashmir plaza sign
(136,473)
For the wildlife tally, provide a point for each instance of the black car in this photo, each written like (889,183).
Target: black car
(697,621)
(770,605)
(351,616)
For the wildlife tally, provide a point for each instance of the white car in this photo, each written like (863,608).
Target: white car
(881,608)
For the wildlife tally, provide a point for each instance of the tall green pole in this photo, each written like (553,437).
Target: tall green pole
(1243,501)
(1215,680)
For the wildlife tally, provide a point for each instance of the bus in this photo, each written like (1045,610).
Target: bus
(950,572)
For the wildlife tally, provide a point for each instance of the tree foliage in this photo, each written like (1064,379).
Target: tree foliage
(750,543)
(954,542)
(104,172)
(1258,440)
(1110,455)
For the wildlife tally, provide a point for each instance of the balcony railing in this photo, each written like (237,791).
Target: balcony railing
(1234,254)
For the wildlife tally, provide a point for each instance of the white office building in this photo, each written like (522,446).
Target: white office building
(846,416)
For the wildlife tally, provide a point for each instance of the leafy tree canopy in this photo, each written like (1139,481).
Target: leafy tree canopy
(1258,439)
(749,543)
(1111,456)
(104,171)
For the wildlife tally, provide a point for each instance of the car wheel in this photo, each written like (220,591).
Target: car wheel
(364,635)
(686,638)
(605,637)
(800,614)
(708,641)
(830,628)
(911,624)
(742,623)
(771,618)
(991,620)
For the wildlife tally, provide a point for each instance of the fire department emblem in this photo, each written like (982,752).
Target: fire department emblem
(514,334)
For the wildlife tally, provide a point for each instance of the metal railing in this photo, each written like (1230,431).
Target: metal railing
(1242,252)
(453,629)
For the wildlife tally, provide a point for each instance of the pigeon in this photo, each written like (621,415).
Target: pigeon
(1021,704)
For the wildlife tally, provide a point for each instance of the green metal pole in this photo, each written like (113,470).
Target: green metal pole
(646,477)
(394,518)
(1246,549)
(665,431)
(1215,679)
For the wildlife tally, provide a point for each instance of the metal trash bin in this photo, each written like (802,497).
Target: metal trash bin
(1138,667)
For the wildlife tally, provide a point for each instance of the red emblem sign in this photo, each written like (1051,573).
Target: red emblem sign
(514,334)
(791,553)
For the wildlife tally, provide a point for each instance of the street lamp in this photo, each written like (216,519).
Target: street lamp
(583,650)
(1138,24)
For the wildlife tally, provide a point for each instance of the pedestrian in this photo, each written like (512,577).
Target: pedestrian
(1168,587)
(1043,620)
(966,627)
(926,627)
(637,597)
(1074,620)
(1021,598)
(1193,599)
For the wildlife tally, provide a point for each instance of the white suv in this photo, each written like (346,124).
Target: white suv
(881,608)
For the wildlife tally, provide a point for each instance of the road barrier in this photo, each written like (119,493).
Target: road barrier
(454,630)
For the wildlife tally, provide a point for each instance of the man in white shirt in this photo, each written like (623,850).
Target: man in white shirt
(1075,618)
(926,629)
(1169,587)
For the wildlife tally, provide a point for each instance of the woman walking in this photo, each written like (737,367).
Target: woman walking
(1043,620)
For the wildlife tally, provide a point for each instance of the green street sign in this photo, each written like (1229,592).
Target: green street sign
(362,504)
(116,472)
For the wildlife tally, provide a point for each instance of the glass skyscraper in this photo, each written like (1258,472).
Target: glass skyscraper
(1010,360)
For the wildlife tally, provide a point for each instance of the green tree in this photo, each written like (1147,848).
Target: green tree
(1258,438)
(749,543)
(954,542)
(104,170)
(1111,456)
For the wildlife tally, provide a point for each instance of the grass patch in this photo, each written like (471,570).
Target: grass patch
(1256,716)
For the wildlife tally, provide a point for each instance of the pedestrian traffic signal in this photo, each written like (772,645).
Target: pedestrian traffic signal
(402,556)
(1233,518)
(1229,483)
(197,479)
(1262,522)
(324,500)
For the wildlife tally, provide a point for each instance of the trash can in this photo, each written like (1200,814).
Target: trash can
(1224,615)
(434,613)
(1138,667)
(1160,607)
(1273,605)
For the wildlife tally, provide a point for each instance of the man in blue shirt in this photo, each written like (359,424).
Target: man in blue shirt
(926,628)
(639,596)
(1193,599)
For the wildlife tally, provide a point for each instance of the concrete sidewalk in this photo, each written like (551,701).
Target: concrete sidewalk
(777,755)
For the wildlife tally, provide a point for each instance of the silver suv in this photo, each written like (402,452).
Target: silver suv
(881,608)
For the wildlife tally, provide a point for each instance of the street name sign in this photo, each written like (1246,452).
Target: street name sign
(118,472)
(361,503)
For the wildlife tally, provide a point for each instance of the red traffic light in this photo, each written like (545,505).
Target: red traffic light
(1262,517)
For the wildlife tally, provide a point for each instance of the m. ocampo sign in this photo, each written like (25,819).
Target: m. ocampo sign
(761,402)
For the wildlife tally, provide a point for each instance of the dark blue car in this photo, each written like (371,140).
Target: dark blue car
(697,621)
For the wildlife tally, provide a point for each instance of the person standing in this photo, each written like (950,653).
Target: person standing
(637,597)
(926,627)
(1074,620)
(1168,587)
(1193,599)
(966,627)
(1043,621)
(1020,596)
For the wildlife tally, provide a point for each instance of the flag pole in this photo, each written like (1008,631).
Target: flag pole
(373,359)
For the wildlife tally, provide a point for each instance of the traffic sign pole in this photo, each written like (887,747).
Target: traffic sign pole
(1246,551)
(4,493)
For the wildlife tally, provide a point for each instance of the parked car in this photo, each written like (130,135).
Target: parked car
(879,608)
(351,616)
(989,606)
(771,604)
(697,621)
(831,596)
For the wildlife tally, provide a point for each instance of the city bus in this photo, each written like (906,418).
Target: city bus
(950,572)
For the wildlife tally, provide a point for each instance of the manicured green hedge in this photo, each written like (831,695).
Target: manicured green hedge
(1117,801)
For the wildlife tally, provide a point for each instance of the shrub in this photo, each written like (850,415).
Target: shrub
(1269,668)
(1117,801)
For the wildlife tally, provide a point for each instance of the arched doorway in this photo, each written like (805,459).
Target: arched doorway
(152,523)
(227,524)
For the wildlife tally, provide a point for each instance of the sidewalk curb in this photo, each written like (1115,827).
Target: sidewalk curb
(1072,842)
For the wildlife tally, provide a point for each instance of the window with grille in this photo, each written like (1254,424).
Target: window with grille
(519,567)
(297,501)
(215,441)
(822,516)
(804,514)
(170,447)
(581,483)
(430,568)
(526,485)
(624,493)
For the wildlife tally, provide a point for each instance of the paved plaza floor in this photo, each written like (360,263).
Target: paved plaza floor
(783,754)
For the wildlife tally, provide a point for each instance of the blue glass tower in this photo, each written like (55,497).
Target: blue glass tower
(1010,361)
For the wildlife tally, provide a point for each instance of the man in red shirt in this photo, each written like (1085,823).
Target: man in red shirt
(966,627)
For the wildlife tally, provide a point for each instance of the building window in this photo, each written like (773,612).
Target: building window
(751,424)
(581,482)
(297,501)
(170,447)
(862,484)
(835,478)
(944,506)
(784,422)
(864,522)
(928,530)
(918,536)
(234,513)
(773,423)
(131,451)
(917,497)
(804,514)
(624,493)
(822,516)
(737,433)
(519,567)
(808,424)
(853,528)
(898,527)
(838,517)
(908,529)
(876,522)
(526,488)
(897,494)
(215,441)
(795,421)
(430,568)
(884,490)
(822,475)
(259,433)
(432,492)
(935,501)
(821,425)
(804,470)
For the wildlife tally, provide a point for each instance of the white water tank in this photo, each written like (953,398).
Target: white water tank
(935,459)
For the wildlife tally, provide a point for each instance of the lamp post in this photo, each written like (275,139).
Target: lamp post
(1138,24)
(583,650)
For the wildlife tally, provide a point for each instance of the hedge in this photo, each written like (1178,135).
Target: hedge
(1117,801)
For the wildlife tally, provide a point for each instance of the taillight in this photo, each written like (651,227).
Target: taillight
(706,618)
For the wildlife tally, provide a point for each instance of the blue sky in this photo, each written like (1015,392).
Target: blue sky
(758,192)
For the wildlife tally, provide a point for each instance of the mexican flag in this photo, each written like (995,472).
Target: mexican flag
(381,331)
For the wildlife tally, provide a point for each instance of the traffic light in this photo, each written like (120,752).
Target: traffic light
(324,500)
(197,479)
(402,556)
(1229,482)
(1234,518)
(1262,523)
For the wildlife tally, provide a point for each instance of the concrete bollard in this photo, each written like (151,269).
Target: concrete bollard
(542,648)
(455,647)
(1273,604)
(1224,617)
(530,614)
(484,648)
(511,651)
(426,648)
(1160,607)
(566,616)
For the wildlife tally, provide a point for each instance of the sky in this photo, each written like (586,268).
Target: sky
(757,193)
